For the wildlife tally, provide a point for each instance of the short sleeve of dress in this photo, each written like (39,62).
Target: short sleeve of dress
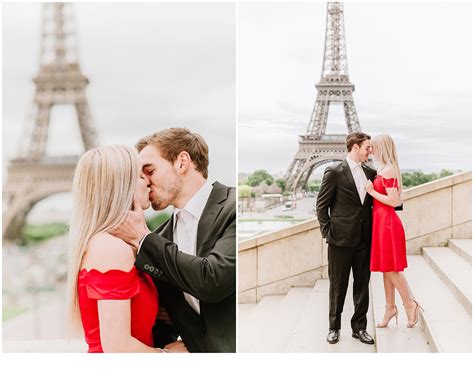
(390,183)
(112,284)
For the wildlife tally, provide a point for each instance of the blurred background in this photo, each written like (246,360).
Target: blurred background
(117,73)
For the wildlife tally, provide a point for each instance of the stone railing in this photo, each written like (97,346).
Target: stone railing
(437,211)
(272,263)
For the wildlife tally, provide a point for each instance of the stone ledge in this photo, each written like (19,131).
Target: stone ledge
(279,234)
(282,286)
(435,185)
(437,238)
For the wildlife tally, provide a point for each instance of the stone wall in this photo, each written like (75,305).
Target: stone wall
(272,263)
(438,211)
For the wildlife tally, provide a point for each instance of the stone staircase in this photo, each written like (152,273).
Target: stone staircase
(440,279)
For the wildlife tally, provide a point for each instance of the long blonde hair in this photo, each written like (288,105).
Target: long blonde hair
(386,151)
(103,187)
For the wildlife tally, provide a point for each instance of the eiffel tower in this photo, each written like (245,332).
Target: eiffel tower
(316,147)
(32,175)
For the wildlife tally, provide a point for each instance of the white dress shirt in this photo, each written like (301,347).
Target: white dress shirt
(185,229)
(359,177)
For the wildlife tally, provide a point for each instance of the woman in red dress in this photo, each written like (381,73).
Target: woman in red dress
(113,303)
(388,253)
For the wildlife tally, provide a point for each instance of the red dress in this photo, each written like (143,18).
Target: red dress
(135,285)
(388,251)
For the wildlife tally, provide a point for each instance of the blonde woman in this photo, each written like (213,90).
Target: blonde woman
(388,253)
(115,304)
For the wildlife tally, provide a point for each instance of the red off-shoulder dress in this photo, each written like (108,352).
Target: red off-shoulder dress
(388,253)
(135,285)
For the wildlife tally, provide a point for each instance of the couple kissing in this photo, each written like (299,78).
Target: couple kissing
(168,290)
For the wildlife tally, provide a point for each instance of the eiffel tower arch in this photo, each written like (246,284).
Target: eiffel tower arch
(33,175)
(316,147)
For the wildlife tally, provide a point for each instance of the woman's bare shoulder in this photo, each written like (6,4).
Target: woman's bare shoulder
(106,252)
(389,172)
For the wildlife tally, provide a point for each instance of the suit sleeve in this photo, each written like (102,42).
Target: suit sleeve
(325,197)
(210,279)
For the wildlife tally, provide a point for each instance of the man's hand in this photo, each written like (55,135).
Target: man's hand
(369,187)
(133,228)
(176,347)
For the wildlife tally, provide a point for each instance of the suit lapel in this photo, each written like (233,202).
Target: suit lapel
(167,231)
(350,179)
(209,214)
(368,174)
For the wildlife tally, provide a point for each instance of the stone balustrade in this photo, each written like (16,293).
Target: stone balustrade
(273,262)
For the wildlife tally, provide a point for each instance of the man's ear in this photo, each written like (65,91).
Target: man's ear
(182,162)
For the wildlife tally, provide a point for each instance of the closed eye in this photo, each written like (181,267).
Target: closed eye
(148,170)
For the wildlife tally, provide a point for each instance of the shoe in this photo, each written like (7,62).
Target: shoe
(417,309)
(333,336)
(363,336)
(387,317)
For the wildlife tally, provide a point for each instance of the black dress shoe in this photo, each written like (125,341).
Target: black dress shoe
(363,336)
(333,336)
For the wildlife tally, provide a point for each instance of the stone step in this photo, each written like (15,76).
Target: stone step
(463,247)
(267,328)
(454,271)
(394,338)
(446,323)
(311,330)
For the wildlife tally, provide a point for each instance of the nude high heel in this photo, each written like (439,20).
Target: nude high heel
(384,324)
(417,312)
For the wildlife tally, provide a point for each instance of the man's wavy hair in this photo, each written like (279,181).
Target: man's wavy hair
(355,138)
(172,141)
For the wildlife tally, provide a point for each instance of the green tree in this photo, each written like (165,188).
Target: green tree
(34,234)
(258,176)
(417,178)
(313,186)
(281,183)
(445,173)
(245,191)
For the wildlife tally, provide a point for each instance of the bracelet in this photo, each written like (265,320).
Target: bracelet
(164,350)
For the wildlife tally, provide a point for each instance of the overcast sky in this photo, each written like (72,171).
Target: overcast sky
(151,66)
(410,64)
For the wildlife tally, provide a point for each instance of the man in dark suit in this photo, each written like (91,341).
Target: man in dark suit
(344,212)
(192,256)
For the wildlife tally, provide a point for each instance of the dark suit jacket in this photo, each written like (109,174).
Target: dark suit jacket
(342,217)
(209,276)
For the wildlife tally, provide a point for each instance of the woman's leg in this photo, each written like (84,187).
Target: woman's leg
(389,290)
(390,308)
(400,283)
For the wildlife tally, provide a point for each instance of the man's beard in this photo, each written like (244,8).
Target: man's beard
(166,194)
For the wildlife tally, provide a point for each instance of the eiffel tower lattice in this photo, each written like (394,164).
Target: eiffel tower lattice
(316,147)
(33,175)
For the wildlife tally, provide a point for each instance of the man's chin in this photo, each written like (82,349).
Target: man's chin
(157,207)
